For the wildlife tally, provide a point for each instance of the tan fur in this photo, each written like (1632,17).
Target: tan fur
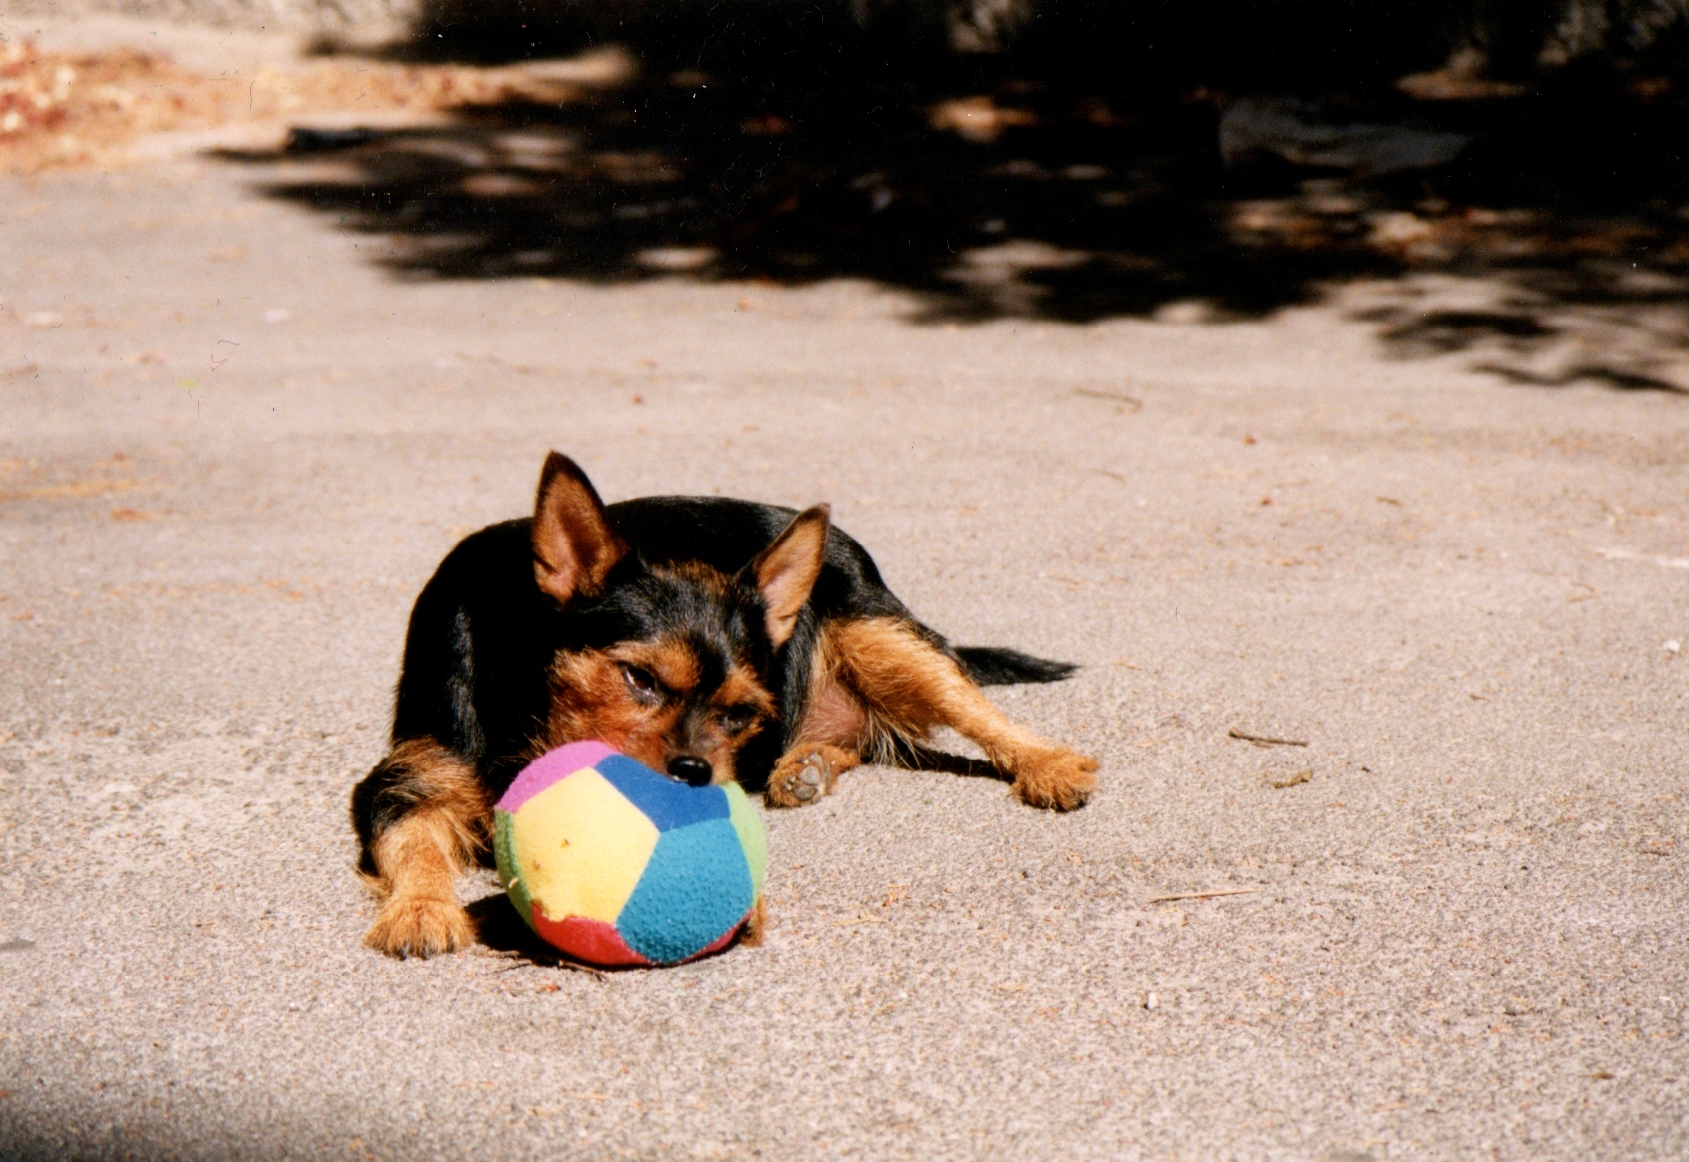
(741,687)
(832,711)
(903,687)
(672,663)
(829,762)
(787,569)
(418,859)
(706,577)
(590,698)
(574,547)
(756,925)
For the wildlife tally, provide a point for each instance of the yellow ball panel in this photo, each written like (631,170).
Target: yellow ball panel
(581,847)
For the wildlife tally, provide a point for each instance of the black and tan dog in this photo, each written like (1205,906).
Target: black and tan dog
(712,639)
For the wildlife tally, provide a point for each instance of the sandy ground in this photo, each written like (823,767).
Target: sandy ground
(232,448)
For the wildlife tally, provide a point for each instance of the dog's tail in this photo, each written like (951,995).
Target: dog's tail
(990,666)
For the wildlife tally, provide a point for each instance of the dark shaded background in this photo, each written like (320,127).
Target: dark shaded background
(1069,166)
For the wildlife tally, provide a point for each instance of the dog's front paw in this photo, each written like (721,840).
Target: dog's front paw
(419,926)
(1058,778)
(756,925)
(805,775)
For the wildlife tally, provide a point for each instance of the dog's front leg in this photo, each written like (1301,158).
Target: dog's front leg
(422,814)
(806,772)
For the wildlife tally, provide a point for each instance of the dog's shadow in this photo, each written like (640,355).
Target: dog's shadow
(919,757)
(500,930)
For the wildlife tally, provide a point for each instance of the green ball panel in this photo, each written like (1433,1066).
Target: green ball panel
(504,851)
(752,838)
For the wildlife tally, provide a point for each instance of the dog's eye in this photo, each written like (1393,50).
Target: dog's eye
(641,682)
(737,718)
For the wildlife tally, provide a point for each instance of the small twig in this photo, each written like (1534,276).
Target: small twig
(1203,895)
(521,960)
(567,965)
(1263,740)
(1136,405)
(859,920)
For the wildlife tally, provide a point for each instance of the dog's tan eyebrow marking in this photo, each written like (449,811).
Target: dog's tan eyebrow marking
(741,688)
(672,663)
(590,699)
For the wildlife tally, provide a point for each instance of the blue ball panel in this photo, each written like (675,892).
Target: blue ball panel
(666,803)
(696,887)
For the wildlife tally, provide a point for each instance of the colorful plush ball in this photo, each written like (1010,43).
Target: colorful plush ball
(618,865)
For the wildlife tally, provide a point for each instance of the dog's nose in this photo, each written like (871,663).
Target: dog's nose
(691,769)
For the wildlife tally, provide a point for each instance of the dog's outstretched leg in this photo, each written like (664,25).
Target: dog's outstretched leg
(421,815)
(907,686)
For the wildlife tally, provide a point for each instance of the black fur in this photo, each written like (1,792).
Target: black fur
(381,800)
(992,666)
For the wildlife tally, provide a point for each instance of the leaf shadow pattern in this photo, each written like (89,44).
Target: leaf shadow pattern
(748,143)
(1614,377)
(1439,332)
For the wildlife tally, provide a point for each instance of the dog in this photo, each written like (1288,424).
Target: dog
(711,639)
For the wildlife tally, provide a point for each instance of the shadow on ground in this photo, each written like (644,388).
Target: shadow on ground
(1072,179)
(500,928)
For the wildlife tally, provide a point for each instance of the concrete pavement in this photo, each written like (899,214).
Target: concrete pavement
(233,449)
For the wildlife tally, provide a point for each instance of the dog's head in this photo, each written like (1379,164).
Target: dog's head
(667,663)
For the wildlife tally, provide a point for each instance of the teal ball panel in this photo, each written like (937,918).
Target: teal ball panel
(696,888)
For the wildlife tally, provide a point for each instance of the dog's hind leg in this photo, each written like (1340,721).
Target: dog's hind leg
(906,685)
(421,814)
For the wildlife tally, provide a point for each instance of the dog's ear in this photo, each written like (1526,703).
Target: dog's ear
(785,572)
(574,546)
